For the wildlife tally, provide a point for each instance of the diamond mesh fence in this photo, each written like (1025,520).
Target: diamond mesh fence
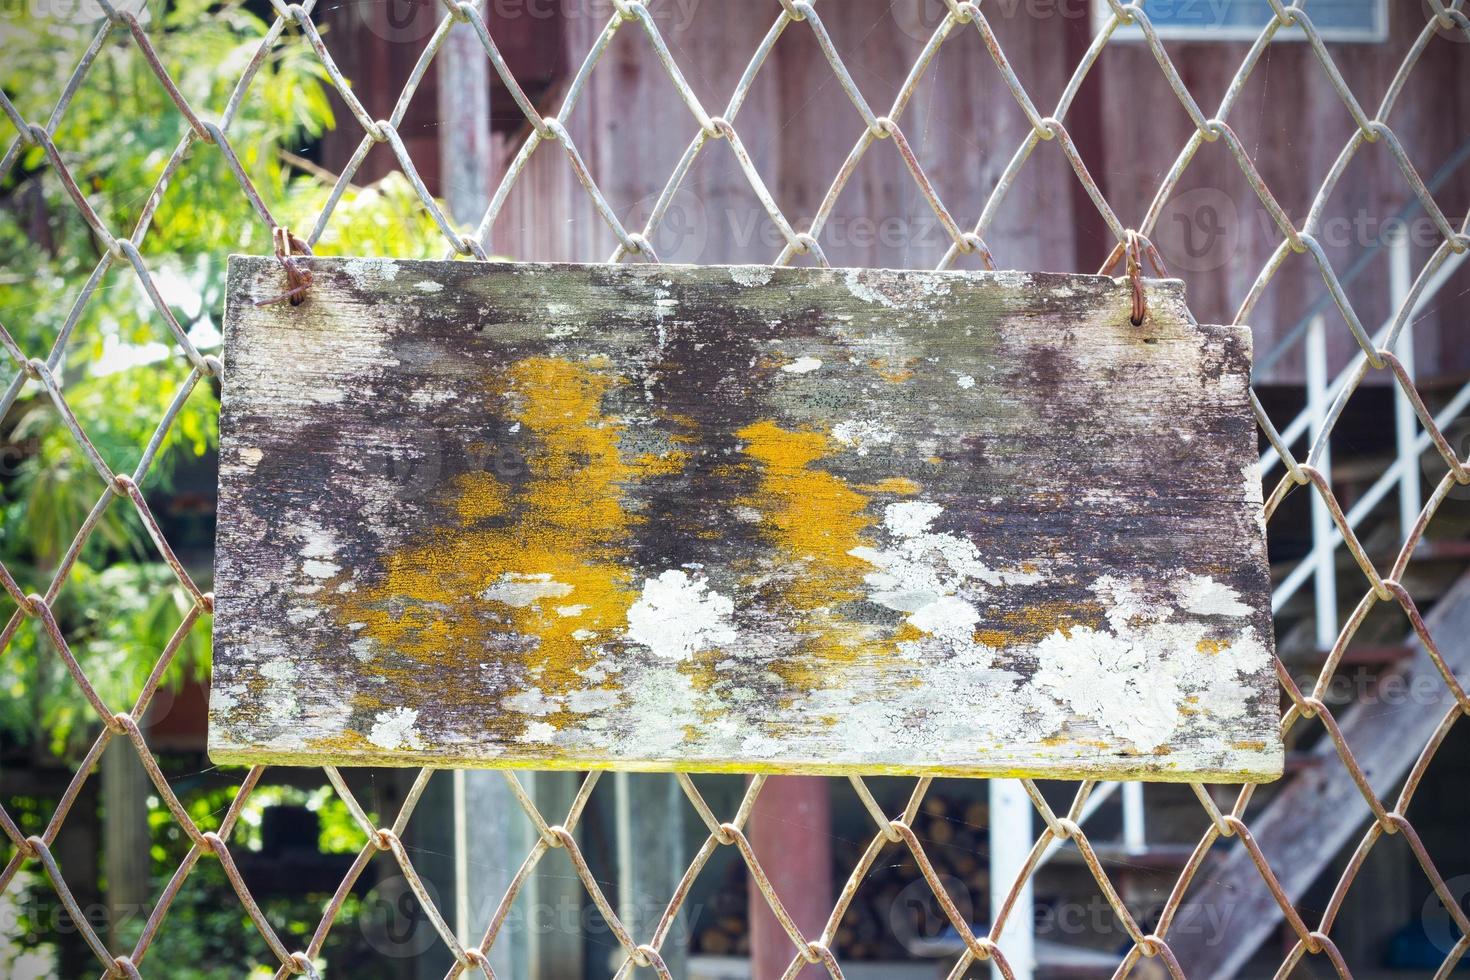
(1224,815)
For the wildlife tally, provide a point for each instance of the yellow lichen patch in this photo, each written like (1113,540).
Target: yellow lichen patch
(345,742)
(1030,624)
(893,484)
(771,361)
(892,371)
(478,495)
(543,560)
(1212,647)
(995,639)
(813,521)
(669,463)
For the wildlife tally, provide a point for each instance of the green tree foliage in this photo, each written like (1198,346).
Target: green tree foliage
(121,370)
(119,366)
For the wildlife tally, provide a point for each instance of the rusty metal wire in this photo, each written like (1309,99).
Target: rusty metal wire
(895,831)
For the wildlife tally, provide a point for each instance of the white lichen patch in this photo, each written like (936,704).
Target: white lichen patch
(947,617)
(316,542)
(802,365)
(594,699)
(370,273)
(934,577)
(394,728)
(1203,596)
(317,568)
(277,669)
(570,610)
(1254,494)
(910,517)
(676,616)
(862,435)
(428,286)
(1251,474)
(1135,679)
(1115,681)
(752,275)
(524,589)
(531,702)
(965,381)
(858,285)
(538,731)
(1124,603)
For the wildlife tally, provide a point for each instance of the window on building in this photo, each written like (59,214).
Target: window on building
(1242,20)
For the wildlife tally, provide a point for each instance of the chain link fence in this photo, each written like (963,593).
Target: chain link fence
(209,131)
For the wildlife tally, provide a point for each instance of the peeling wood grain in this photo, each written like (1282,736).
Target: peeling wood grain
(738,518)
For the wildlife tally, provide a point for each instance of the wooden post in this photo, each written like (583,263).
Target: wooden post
(491,835)
(127,860)
(491,839)
(464,126)
(554,896)
(649,821)
(790,830)
(76,852)
(434,864)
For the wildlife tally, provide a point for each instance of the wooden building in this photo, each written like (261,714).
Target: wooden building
(964,125)
(631,127)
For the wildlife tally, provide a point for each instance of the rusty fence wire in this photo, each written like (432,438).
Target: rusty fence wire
(208,131)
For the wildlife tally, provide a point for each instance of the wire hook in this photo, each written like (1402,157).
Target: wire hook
(297,278)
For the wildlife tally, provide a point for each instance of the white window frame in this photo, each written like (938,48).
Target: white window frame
(1178,32)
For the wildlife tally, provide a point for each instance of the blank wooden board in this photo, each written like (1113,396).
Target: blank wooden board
(738,518)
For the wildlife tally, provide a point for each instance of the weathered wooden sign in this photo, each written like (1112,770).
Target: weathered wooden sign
(797,520)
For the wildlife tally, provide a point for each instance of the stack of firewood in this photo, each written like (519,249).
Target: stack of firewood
(723,928)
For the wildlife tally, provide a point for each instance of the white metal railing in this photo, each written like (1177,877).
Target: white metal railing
(1008,798)
(1323,402)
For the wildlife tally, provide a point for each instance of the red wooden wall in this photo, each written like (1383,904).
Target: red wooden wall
(631,128)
